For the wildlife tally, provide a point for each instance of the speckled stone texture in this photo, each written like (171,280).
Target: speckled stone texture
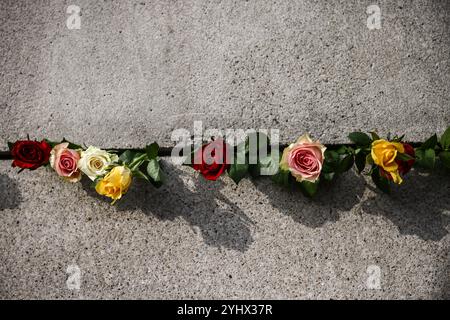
(136,70)
(197,239)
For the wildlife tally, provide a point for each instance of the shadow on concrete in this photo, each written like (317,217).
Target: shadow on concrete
(418,207)
(201,203)
(10,196)
(342,195)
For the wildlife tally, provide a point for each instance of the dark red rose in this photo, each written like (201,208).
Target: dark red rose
(211,160)
(29,154)
(403,166)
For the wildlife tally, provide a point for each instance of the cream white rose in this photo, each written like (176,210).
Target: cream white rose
(94,162)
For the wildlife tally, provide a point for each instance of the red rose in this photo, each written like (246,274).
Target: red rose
(211,159)
(403,166)
(29,154)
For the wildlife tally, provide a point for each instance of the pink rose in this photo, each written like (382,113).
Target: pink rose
(64,161)
(304,159)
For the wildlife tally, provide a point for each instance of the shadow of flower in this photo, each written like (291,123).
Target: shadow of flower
(342,195)
(10,196)
(418,207)
(201,203)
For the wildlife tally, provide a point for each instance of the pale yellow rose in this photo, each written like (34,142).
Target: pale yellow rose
(115,183)
(384,154)
(94,162)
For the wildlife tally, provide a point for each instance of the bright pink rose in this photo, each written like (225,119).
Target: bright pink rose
(304,159)
(64,161)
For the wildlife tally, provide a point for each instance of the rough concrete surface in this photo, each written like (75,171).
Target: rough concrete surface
(137,70)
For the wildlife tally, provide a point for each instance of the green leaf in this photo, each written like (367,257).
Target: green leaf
(137,160)
(154,170)
(404,157)
(338,161)
(360,161)
(445,158)
(10,146)
(360,139)
(445,139)
(328,168)
(282,177)
(271,163)
(430,143)
(342,150)
(239,168)
(374,135)
(398,139)
(237,171)
(51,143)
(254,170)
(328,176)
(140,174)
(346,163)
(72,145)
(369,159)
(331,161)
(268,165)
(425,158)
(127,157)
(309,188)
(331,156)
(152,151)
(381,182)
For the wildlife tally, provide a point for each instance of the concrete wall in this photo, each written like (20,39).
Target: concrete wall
(137,70)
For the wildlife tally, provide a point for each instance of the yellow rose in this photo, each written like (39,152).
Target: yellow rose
(384,154)
(115,183)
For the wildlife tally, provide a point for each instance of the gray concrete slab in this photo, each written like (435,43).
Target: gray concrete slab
(195,239)
(137,70)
